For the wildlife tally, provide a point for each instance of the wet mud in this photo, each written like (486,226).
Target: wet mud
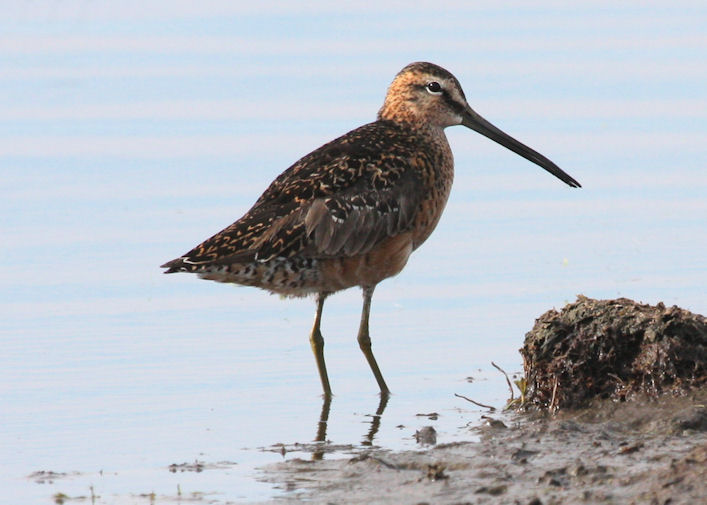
(612,349)
(614,411)
(648,451)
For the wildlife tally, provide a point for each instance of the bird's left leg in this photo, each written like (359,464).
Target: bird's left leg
(317,341)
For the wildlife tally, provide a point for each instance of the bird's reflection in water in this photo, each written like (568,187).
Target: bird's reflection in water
(321,428)
(376,419)
(324,419)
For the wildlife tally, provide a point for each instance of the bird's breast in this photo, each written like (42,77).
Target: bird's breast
(436,171)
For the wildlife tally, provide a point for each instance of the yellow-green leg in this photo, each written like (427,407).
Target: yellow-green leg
(317,341)
(364,340)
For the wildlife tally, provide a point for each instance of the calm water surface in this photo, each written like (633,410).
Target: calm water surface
(128,135)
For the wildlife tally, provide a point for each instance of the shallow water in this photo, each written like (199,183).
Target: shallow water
(126,137)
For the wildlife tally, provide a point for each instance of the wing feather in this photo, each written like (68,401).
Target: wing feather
(341,199)
(353,224)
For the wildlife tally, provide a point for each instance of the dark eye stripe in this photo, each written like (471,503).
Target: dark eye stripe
(454,105)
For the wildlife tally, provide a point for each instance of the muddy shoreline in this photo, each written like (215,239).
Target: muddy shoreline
(644,451)
(614,403)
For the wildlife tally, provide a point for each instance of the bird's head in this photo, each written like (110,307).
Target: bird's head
(424,95)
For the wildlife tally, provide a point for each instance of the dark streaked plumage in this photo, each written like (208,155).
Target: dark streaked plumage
(351,212)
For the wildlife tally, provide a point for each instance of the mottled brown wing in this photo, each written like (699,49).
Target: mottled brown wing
(341,199)
(344,224)
(238,243)
(348,225)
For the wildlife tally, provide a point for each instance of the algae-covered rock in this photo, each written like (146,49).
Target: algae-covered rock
(612,349)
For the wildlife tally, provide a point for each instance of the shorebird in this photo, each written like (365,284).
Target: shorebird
(351,212)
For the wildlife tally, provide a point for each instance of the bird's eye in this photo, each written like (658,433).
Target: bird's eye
(434,88)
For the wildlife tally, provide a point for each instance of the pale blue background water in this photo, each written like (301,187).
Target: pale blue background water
(131,131)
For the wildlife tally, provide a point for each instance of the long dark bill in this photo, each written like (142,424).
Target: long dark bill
(474,121)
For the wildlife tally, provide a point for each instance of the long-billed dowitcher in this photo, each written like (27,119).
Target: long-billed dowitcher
(351,212)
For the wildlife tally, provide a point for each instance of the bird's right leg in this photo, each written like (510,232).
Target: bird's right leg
(317,341)
(364,341)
